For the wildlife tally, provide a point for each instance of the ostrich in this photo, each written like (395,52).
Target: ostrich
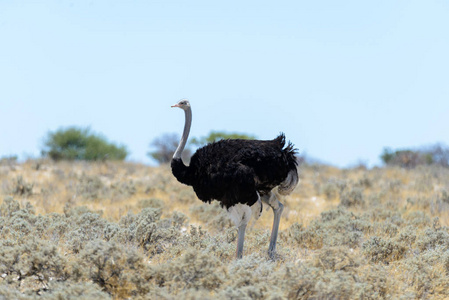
(240,174)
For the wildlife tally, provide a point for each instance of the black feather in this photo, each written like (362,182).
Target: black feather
(233,171)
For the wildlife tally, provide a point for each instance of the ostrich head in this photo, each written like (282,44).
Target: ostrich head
(183,104)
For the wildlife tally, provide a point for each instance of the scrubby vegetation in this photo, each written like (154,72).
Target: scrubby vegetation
(116,230)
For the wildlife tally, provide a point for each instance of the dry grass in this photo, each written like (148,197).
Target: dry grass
(123,230)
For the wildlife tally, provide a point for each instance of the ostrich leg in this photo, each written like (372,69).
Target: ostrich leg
(240,240)
(277,207)
(240,215)
(274,231)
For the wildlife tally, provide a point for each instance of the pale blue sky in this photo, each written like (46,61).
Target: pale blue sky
(342,79)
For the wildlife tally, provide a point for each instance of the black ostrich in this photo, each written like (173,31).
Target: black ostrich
(239,174)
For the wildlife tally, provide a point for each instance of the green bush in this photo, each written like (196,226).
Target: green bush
(80,144)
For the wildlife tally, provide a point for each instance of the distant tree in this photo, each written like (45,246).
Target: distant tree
(387,156)
(439,154)
(219,135)
(407,158)
(75,143)
(165,146)
(404,158)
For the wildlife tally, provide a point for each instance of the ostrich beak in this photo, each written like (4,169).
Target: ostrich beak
(176,105)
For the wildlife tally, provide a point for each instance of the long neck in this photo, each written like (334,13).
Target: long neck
(185,134)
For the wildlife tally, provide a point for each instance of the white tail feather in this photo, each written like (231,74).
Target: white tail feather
(289,184)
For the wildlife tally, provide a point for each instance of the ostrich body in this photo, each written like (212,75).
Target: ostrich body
(240,174)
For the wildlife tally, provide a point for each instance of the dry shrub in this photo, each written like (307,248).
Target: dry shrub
(212,215)
(426,275)
(116,269)
(333,188)
(334,285)
(417,219)
(336,227)
(74,290)
(299,282)
(432,238)
(31,259)
(337,258)
(185,196)
(193,270)
(179,219)
(90,187)
(308,282)
(9,206)
(374,283)
(352,197)
(147,230)
(383,250)
(248,278)
(151,202)
(122,189)
(16,223)
(22,188)
(83,228)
